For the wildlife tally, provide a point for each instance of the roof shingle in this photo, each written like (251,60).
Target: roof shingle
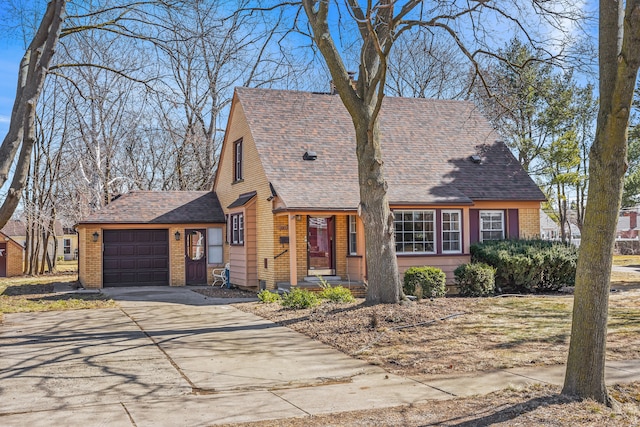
(426,147)
(160,207)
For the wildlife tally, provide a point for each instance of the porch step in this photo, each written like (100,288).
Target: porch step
(315,279)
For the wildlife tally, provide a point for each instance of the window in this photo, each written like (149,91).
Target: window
(66,244)
(451,241)
(237,160)
(214,241)
(195,245)
(353,235)
(237,229)
(491,225)
(415,231)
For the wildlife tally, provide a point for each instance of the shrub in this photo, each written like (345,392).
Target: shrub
(337,294)
(529,265)
(424,282)
(300,298)
(475,280)
(268,297)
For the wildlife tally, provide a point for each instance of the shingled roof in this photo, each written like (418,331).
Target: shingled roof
(427,147)
(160,207)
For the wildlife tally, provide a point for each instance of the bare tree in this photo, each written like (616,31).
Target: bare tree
(378,25)
(619,48)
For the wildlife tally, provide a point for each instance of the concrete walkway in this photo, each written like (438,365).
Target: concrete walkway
(170,356)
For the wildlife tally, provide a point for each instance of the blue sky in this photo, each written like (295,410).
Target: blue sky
(10,54)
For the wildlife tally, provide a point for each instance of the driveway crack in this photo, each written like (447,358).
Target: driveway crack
(171,361)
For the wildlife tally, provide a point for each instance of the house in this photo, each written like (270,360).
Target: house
(11,256)
(66,244)
(147,238)
(287,181)
(627,227)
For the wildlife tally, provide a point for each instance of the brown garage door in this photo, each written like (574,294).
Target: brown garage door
(135,258)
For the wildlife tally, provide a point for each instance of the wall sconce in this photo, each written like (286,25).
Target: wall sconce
(95,236)
(177,235)
(298,217)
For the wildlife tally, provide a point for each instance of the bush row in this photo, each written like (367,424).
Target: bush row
(528,265)
(302,298)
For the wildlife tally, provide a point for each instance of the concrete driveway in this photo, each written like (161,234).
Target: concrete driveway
(170,356)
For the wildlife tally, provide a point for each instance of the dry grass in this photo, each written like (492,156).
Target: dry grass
(458,334)
(626,260)
(533,406)
(25,294)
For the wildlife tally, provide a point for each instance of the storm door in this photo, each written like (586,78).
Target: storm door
(320,246)
(196,257)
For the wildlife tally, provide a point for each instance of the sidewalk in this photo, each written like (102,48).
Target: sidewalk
(169,356)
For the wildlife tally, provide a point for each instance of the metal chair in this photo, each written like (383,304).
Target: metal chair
(221,275)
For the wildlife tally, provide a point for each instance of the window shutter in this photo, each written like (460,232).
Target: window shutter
(474,226)
(513,231)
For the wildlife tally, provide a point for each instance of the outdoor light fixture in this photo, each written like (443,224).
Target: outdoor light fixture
(177,235)
(95,236)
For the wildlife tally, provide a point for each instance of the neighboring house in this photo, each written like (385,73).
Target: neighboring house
(11,256)
(549,229)
(627,227)
(67,239)
(152,238)
(288,182)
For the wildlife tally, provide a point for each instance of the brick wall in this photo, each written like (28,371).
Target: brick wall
(254,179)
(529,220)
(176,257)
(90,263)
(15,258)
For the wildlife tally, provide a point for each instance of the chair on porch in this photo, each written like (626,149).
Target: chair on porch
(221,275)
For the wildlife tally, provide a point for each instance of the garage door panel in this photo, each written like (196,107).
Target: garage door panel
(136,257)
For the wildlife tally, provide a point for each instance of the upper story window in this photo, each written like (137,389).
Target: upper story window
(451,231)
(491,225)
(415,231)
(353,235)
(237,229)
(237,160)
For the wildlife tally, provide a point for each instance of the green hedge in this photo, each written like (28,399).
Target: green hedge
(528,265)
(475,280)
(424,282)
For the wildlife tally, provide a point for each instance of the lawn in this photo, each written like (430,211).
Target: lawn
(25,293)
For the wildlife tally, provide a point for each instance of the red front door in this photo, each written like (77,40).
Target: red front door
(320,233)
(196,256)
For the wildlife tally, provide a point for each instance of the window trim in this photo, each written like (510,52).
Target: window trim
(480,223)
(237,161)
(210,245)
(66,248)
(434,231)
(236,228)
(352,235)
(459,230)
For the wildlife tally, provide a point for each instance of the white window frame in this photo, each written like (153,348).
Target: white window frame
(481,224)
(457,231)
(215,243)
(237,160)
(66,246)
(352,224)
(237,228)
(402,243)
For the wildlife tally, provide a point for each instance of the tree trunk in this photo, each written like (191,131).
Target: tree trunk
(619,61)
(382,267)
(33,70)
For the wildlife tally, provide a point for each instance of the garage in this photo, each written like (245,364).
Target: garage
(136,257)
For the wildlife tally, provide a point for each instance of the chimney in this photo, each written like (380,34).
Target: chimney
(352,80)
(633,220)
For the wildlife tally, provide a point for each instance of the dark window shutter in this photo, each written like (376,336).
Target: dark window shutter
(474,226)
(514,226)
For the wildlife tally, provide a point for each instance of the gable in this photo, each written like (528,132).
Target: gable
(427,147)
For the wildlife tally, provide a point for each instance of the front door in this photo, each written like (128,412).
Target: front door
(196,256)
(320,241)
